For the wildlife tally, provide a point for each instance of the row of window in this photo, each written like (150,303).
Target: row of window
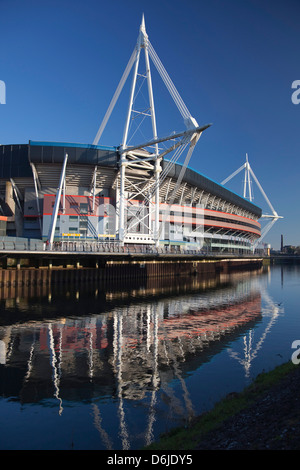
(230,221)
(211,217)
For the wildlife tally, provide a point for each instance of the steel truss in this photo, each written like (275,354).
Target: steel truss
(141,174)
(61,189)
(248,193)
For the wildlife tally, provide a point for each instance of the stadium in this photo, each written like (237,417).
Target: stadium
(31,176)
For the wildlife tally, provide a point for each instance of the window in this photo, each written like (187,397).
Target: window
(84,208)
(73,218)
(2,228)
(83,222)
(83,232)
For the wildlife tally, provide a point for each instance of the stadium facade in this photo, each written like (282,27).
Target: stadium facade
(201,214)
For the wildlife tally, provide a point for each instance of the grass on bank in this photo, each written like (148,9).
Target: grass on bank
(187,438)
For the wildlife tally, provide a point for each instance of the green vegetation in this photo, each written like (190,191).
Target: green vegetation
(187,438)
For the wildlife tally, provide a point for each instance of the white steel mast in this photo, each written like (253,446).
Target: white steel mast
(142,42)
(247,182)
(133,157)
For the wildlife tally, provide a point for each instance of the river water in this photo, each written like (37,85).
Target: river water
(91,367)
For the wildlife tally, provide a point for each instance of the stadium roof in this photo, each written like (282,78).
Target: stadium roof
(15,162)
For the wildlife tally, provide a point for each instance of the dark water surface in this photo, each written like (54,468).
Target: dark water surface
(111,368)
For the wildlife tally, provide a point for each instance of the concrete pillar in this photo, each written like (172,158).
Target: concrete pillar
(9,197)
(16,213)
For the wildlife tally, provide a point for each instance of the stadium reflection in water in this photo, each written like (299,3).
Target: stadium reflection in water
(124,354)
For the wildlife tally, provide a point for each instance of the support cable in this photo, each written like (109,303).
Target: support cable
(116,96)
(168,82)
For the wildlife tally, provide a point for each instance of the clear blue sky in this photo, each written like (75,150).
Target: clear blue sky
(233,62)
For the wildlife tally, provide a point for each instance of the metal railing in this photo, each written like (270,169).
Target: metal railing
(31,245)
(16,245)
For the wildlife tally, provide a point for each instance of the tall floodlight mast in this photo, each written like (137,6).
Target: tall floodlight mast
(138,157)
(272,218)
(247,181)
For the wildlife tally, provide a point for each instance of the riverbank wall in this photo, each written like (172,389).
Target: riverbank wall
(20,272)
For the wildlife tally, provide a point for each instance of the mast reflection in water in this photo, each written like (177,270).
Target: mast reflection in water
(107,368)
